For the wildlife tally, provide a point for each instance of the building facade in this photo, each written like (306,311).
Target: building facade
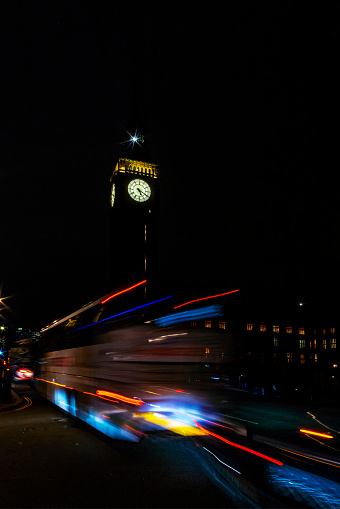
(280,357)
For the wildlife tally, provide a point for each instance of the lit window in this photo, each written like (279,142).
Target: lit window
(289,357)
(302,359)
(208,324)
(332,330)
(276,328)
(302,331)
(207,350)
(289,330)
(221,325)
(193,324)
(310,345)
(333,343)
(323,331)
(314,343)
(314,332)
(302,343)
(276,341)
(263,328)
(315,357)
(324,344)
(250,326)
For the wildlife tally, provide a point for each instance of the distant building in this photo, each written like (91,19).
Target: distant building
(22,333)
(282,356)
(3,339)
(22,351)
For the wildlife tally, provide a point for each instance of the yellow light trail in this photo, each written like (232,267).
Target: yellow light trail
(309,432)
(172,424)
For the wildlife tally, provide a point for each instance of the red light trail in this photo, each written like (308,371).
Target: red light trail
(123,291)
(204,298)
(240,446)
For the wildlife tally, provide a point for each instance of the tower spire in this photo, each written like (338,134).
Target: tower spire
(134,207)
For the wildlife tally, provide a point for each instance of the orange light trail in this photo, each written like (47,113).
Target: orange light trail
(109,394)
(123,291)
(315,433)
(102,397)
(101,394)
(54,383)
(240,446)
(204,298)
(310,458)
(136,430)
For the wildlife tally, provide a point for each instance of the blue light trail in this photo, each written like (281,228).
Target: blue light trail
(124,312)
(193,314)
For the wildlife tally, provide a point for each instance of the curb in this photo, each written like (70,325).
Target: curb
(16,401)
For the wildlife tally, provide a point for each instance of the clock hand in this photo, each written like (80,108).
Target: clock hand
(141,192)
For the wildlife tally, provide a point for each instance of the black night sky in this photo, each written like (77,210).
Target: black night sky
(238,103)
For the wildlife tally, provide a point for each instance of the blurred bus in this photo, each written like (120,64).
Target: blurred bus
(126,365)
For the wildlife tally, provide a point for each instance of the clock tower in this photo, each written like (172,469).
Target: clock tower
(134,200)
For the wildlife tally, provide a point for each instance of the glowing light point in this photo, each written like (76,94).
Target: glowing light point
(135,138)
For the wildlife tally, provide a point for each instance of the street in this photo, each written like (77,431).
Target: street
(49,460)
(255,456)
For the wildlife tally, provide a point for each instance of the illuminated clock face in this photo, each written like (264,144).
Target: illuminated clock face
(139,190)
(113,190)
